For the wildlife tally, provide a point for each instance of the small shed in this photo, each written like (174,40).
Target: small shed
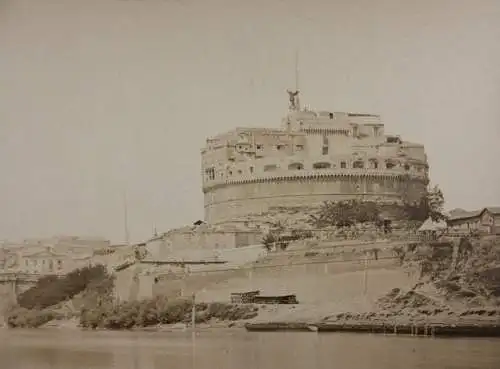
(432,229)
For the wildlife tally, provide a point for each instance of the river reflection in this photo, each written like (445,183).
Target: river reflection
(65,349)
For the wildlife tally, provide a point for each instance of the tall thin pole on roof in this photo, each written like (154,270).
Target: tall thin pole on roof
(125,218)
(297,77)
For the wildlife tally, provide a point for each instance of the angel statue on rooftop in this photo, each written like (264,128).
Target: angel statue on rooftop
(293,99)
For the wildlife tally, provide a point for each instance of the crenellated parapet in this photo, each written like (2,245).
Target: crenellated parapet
(314,156)
(314,175)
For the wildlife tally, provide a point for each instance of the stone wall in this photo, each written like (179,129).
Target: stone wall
(197,242)
(313,276)
(312,283)
(227,202)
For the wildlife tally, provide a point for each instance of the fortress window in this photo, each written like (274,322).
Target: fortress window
(331,115)
(343,165)
(358,164)
(374,164)
(295,166)
(210,172)
(393,139)
(280,147)
(299,147)
(230,172)
(324,149)
(239,171)
(390,165)
(407,167)
(322,165)
(251,169)
(259,147)
(270,167)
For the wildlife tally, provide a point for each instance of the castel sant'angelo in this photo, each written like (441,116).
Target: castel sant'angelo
(315,156)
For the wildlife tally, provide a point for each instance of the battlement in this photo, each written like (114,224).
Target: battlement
(309,147)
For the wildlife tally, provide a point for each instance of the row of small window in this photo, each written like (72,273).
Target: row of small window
(27,262)
(359,164)
(279,147)
(210,172)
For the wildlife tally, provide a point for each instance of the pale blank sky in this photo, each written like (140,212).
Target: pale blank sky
(102,96)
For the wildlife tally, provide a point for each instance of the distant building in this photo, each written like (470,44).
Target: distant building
(54,255)
(485,221)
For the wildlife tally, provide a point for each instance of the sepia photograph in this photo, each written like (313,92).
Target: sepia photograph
(265,184)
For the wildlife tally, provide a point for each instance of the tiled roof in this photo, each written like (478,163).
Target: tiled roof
(464,214)
(457,214)
(494,209)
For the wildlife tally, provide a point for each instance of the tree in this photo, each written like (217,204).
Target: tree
(346,213)
(431,205)
(435,203)
(269,241)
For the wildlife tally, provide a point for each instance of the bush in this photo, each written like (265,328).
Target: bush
(346,213)
(25,318)
(51,290)
(151,312)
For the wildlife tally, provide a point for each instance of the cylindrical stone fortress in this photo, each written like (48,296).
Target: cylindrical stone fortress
(314,157)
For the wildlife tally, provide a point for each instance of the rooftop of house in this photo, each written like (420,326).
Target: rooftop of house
(459,214)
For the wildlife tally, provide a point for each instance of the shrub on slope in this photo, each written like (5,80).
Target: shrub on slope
(51,290)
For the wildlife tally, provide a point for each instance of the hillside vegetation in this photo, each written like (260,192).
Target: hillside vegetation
(157,311)
(87,294)
(455,278)
(51,290)
(45,301)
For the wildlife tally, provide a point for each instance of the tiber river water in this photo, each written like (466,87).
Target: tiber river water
(226,349)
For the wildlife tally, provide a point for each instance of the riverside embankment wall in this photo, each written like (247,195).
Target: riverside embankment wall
(317,278)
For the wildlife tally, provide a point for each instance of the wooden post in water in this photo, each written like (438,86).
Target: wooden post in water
(365,281)
(193,313)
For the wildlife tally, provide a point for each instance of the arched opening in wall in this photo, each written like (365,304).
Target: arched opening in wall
(373,163)
(343,165)
(210,173)
(322,165)
(324,149)
(296,166)
(390,164)
(270,167)
(358,164)
(407,167)
(355,131)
